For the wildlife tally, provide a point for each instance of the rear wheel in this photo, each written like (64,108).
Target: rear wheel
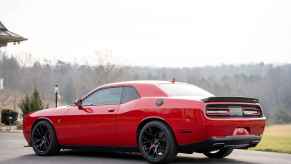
(43,139)
(157,143)
(218,154)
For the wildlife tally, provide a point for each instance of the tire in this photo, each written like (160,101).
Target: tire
(156,143)
(219,154)
(43,139)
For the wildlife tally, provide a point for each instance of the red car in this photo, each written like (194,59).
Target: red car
(156,118)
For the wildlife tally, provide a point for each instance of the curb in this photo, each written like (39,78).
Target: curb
(9,129)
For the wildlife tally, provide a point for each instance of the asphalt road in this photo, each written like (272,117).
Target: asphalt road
(12,151)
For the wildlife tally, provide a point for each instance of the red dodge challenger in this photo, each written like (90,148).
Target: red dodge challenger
(156,118)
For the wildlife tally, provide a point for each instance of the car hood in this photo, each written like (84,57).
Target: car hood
(51,111)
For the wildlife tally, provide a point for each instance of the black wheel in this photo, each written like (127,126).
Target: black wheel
(218,154)
(43,139)
(157,143)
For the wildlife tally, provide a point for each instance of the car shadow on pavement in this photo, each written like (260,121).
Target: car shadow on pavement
(138,157)
(84,156)
(209,161)
(101,154)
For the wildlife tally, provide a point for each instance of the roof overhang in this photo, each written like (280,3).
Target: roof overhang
(7,36)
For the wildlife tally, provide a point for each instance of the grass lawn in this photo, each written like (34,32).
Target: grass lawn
(276,138)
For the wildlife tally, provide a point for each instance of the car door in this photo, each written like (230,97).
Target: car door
(95,123)
(127,117)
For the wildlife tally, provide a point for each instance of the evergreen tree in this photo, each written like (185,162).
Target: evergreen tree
(25,104)
(32,103)
(36,103)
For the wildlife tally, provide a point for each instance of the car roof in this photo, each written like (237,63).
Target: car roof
(155,82)
(147,88)
(129,83)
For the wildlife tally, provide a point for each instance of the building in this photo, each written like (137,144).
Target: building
(7,101)
(7,36)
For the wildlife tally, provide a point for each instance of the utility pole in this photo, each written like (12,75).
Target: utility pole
(56,94)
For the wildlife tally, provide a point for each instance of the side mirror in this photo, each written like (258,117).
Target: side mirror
(78,103)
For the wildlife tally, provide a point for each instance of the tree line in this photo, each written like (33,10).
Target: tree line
(270,83)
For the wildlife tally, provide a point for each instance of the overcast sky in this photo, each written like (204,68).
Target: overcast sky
(152,32)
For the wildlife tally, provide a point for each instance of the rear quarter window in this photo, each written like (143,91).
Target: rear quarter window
(129,94)
(184,89)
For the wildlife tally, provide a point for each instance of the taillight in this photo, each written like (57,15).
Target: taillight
(217,111)
(252,111)
(233,110)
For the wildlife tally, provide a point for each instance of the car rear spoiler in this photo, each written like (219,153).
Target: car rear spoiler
(231,99)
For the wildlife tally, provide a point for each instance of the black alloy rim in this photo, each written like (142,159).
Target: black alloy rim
(154,142)
(41,138)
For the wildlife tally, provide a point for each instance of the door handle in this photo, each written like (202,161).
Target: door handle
(111,110)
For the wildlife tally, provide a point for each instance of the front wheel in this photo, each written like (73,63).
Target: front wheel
(43,139)
(157,143)
(218,154)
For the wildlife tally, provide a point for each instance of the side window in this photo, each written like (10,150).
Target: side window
(128,94)
(107,96)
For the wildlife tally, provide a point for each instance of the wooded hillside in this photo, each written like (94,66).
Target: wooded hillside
(271,84)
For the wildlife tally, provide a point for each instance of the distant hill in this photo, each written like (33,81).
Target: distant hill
(269,83)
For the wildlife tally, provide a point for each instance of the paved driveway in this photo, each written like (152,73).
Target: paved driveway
(12,151)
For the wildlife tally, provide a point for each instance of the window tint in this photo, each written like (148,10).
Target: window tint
(183,89)
(128,94)
(107,96)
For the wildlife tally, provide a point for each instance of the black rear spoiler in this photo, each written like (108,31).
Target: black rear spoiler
(231,99)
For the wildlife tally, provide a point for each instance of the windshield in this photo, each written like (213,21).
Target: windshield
(183,89)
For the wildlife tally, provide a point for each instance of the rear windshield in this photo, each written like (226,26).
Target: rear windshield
(183,89)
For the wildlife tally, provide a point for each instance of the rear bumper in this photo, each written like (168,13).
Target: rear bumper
(215,143)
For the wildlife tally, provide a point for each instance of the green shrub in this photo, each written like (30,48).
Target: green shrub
(32,103)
